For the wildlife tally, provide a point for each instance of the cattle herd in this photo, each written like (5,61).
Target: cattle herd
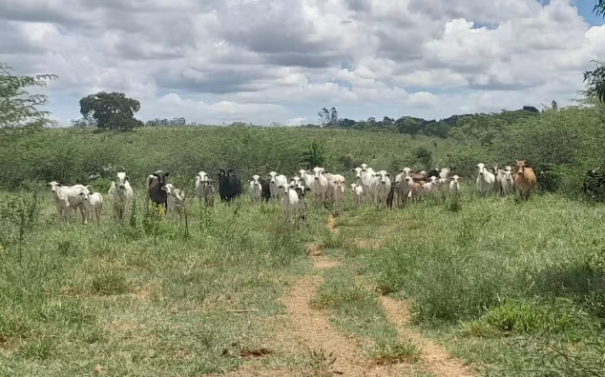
(369,185)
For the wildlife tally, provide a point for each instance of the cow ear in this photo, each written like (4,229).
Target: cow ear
(166,175)
(127,178)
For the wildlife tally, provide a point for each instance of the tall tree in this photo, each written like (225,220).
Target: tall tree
(324,117)
(19,108)
(113,111)
(333,117)
(596,78)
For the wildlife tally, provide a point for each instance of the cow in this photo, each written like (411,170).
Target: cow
(499,174)
(380,186)
(485,180)
(320,184)
(121,196)
(455,185)
(94,204)
(255,189)
(306,178)
(229,185)
(525,179)
(293,202)
(403,187)
(338,192)
(416,191)
(507,182)
(176,199)
(430,187)
(366,179)
(155,192)
(204,188)
(67,197)
(333,181)
(275,181)
(593,184)
(390,197)
(357,192)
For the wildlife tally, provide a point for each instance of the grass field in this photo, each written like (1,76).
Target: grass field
(503,286)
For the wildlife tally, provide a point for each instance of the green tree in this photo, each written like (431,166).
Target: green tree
(314,157)
(19,108)
(111,111)
(595,79)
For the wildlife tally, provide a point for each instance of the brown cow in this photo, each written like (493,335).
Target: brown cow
(525,179)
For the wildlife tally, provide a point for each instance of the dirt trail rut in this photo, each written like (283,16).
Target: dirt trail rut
(433,356)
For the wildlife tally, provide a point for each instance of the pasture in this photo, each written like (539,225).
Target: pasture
(505,287)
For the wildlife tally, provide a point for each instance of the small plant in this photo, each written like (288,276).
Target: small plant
(321,363)
(395,352)
(109,283)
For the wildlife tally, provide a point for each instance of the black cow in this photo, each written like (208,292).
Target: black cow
(593,184)
(156,181)
(391,196)
(229,185)
(265,190)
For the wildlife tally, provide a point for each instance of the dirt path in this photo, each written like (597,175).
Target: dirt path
(433,356)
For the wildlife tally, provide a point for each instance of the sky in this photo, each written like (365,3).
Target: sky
(264,61)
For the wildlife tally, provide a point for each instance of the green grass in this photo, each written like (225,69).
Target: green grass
(507,286)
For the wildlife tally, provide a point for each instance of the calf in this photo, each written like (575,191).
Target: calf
(338,192)
(155,189)
(67,197)
(390,197)
(94,204)
(255,189)
(120,195)
(204,188)
(455,185)
(357,192)
(525,179)
(175,200)
(430,187)
(507,182)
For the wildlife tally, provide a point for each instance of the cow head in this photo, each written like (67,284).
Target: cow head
(120,180)
(317,172)
(508,175)
(406,171)
(358,171)
(364,167)
(382,175)
(54,185)
(271,176)
(161,177)
(520,164)
(481,168)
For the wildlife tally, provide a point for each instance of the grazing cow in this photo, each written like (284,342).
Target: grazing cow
(121,196)
(507,182)
(155,183)
(67,197)
(455,185)
(485,180)
(255,189)
(380,186)
(357,192)
(593,184)
(403,187)
(204,188)
(293,202)
(320,184)
(94,204)
(176,199)
(229,185)
(525,179)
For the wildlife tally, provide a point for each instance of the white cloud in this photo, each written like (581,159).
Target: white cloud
(263,61)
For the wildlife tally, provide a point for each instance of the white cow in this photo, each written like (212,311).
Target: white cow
(380,186)
(175,199)
(507,182)
(499,174)
(121,196)
(67,197)
(444,173)
(357,192)
(255,189)
(403,185)
(306,178)
(416,191)
(94,204)
(430,187)
(204,188)
(333,181)
(320,184)
(277,180)
(293,202)
(455,185)
(338,192)
(485,180)
(366,180)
